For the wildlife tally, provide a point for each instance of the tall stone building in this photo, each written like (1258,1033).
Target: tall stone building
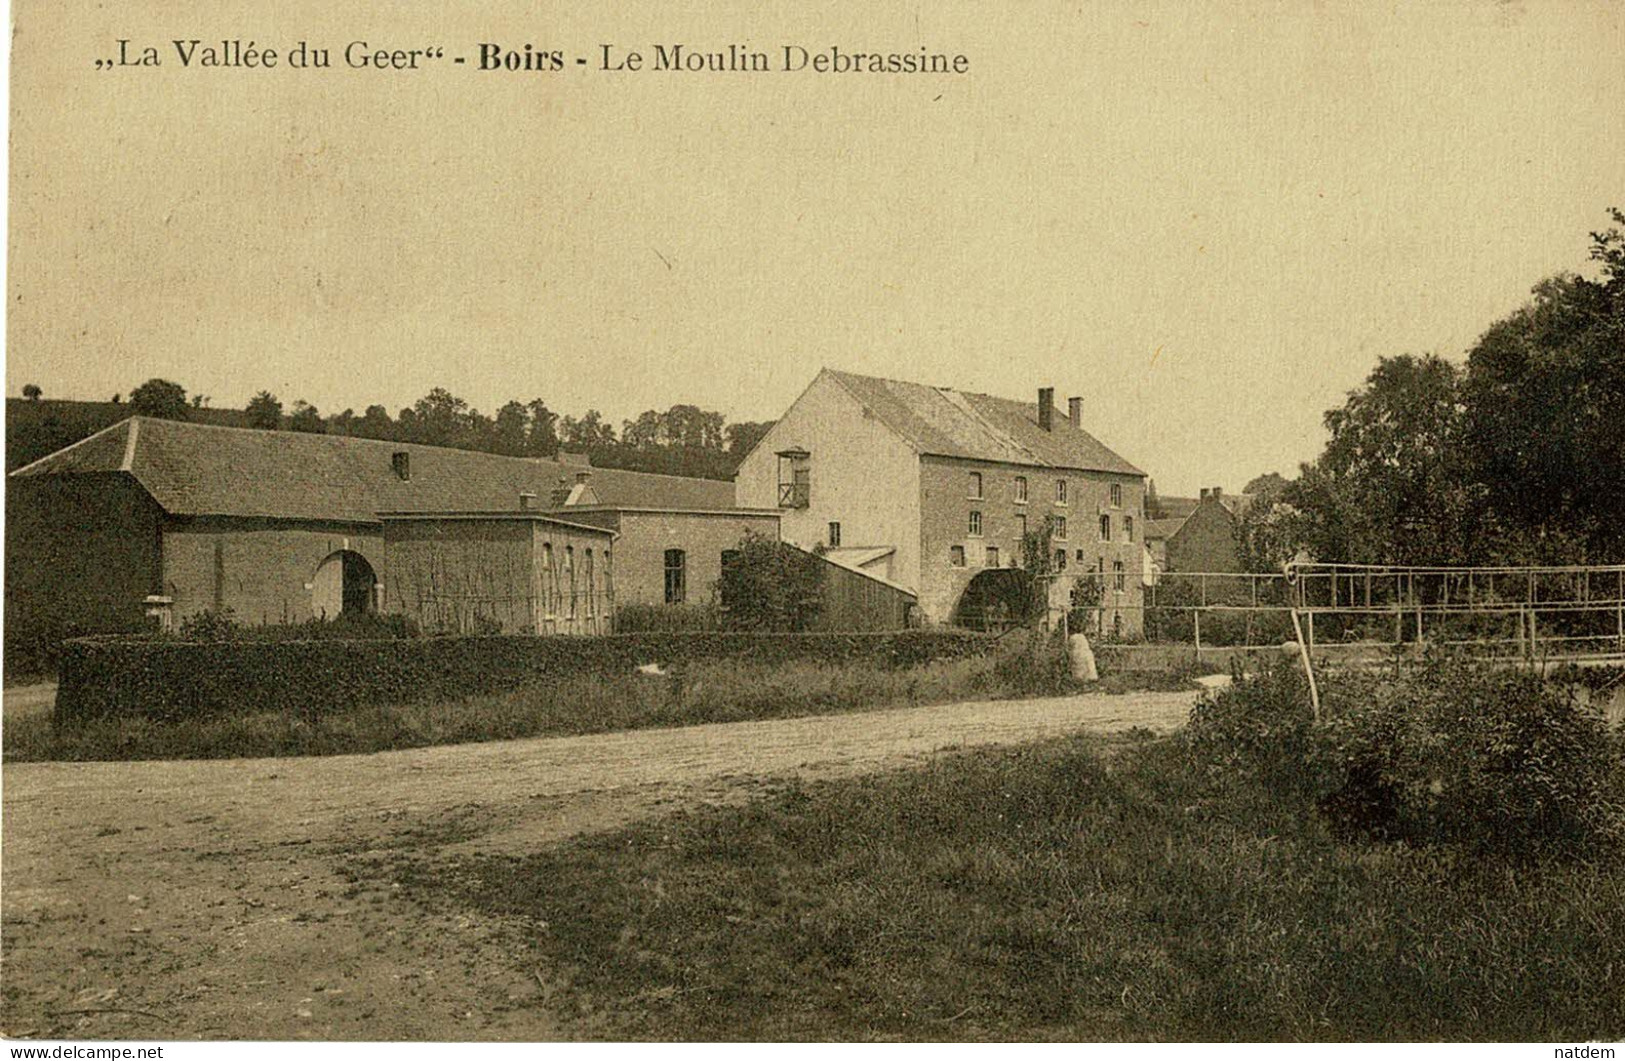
(935,489)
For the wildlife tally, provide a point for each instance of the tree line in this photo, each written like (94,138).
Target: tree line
(681,440)
(1516,456)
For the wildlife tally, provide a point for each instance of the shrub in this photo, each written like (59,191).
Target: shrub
(667,618)
(1494,759)
(171,679)
(769,585)
(1033,662)
(212,626)
(1258,731)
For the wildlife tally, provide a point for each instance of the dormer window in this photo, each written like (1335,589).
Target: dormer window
(795,478)
(401,461)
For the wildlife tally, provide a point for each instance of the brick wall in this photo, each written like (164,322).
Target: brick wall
(945,507)
(1206,541)
(640,551)
(263,570)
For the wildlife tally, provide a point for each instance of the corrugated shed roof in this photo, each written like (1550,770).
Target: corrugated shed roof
(203,470)
(944,422)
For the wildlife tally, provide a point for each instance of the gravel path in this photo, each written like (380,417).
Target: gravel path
(202,899)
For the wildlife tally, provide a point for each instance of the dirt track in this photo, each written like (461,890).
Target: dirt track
(177,900)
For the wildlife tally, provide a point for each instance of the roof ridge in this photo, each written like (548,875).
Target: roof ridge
(970,409)
(362,440)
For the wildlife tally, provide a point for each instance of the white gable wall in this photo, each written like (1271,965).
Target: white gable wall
(864,476)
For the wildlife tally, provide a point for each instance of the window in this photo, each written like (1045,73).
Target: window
(590,602)
(676,576)
(1060,559)
(1128,528)
(975,486)
(570,576)
(1021,489)
(975,529)
(956,555)
(1117,495)
(1060,491)
(834,535)
(992,556)
(1058,527)
(1118,581)
(1021,526)
(1078,556)
(550,598)
(1106,528)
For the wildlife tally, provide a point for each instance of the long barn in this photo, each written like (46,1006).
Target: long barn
(156,520)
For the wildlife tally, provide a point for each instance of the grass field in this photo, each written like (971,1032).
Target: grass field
(713,692)
(1059,891)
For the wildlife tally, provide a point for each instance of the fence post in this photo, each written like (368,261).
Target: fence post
(1197,617)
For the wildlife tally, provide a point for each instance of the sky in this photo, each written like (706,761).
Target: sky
(1209,222)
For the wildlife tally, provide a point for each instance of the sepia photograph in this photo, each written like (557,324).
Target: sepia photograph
(716,522)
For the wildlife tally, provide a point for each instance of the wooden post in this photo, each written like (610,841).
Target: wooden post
(1196,616)
(1308,666)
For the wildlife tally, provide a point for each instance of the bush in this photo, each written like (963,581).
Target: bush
(1258,731)
(212,626)
(165,678)
(1033,662)
(667,618)
(1494,759)
(1448,754)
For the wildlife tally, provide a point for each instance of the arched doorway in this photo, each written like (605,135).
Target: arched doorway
(344,585)
(998,599)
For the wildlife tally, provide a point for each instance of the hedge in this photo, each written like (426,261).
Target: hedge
(166,679)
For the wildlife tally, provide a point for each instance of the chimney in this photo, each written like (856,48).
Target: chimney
(582,477)
(1204,494)
(401,461)
(1074,412)
(1218,492)
(527,501)
(1046,408)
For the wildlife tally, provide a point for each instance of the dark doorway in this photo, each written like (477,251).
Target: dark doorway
(998,600)
(344,585)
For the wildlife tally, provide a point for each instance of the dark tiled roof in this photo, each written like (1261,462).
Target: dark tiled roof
(202,470)
(950,423)
(1162,528)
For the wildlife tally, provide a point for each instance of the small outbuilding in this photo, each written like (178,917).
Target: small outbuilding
(499,573)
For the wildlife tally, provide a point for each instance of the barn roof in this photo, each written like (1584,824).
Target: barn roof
(205,470)
(944,422)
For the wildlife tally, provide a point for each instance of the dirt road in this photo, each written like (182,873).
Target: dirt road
(176,900)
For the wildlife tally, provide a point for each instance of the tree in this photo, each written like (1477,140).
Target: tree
(375,423)
(265,411)
(1270,484)
(588,433)
(1545,414)
(159,398)
(440,418)
(32,392)
(306,418)
(1392,485)
(510,433)
(543,438)
(767,585)
(743,437)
